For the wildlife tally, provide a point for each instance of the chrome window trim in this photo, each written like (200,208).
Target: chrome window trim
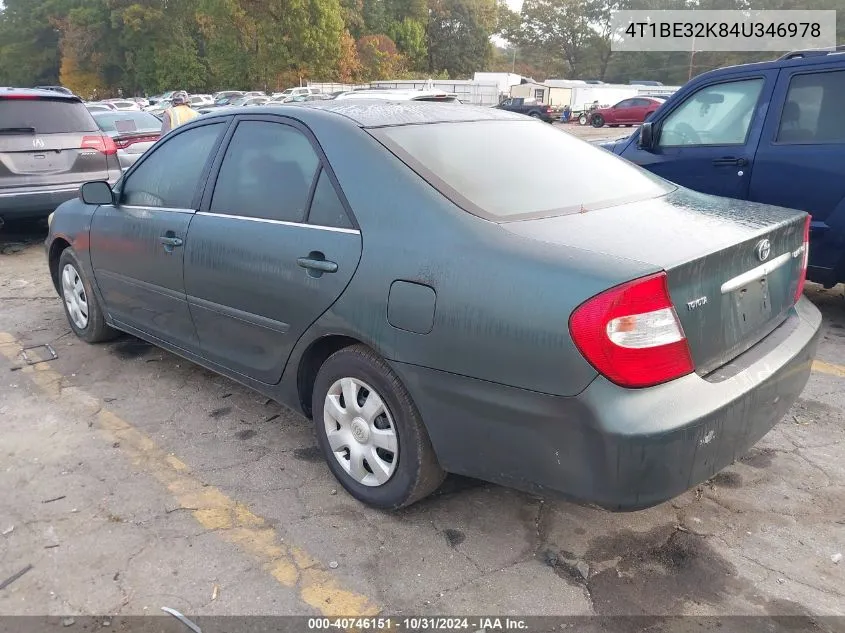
(281,222)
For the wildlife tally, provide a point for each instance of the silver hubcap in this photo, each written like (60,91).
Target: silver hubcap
(76,301)
(361,432)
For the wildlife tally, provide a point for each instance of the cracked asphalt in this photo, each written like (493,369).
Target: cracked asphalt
(131,479)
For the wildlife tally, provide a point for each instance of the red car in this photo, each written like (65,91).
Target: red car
(627,112)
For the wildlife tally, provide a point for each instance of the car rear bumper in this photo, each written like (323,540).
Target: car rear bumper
(618,448)
(36,202)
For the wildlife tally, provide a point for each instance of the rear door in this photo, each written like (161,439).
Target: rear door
(801,159)
(708,141)
(272,248)
(48,141)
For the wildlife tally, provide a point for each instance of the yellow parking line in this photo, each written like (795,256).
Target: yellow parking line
(232,521)
(829,368)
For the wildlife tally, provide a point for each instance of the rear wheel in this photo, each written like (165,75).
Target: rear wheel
(534,115)
(598,120)
(371,433)
(83,312)
(583,120)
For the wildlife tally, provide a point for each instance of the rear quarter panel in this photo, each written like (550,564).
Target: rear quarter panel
(502,301)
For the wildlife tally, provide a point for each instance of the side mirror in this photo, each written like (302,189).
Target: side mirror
(646,136)
(96,193)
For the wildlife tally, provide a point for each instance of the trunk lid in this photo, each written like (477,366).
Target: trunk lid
(41,143)
(732,266)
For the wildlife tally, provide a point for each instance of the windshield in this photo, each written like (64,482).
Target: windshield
(127,122)
(46,116)
(512,170)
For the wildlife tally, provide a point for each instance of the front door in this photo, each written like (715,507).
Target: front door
(708,141)
(137,246)
(271,249)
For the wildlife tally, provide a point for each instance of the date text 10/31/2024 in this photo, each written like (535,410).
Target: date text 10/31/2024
(477,625)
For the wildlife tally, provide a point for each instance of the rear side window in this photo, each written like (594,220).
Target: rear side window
(473,165)
(326,207)
(46,116)
(267,173)
(814,111)
(169,177)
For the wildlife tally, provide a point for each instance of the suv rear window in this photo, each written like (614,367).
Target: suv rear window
(47,116)
(514,170)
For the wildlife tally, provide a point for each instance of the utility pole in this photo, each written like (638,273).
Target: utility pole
(691,58)
(513,61)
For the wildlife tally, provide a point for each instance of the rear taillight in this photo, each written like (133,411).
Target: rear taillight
(631,334)
(124,142)
(805,259)
(21,97)
(101,143)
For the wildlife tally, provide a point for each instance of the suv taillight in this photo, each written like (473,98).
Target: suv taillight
(631,334)
(805,259)
(101,143)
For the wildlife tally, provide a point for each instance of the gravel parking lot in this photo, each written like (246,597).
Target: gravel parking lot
(132,480)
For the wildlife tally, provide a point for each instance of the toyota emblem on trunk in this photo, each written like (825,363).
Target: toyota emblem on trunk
(763,250)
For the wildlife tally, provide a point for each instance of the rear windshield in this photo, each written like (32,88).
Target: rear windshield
(47,116)
(127,122)
(512,170)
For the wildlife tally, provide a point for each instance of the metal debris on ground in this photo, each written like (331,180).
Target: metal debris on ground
(51,546)
(14,577)
(68,622)
(333,564)
(53,499)
(836,557)
(8,530)
(333,492)
(182,619)
(215,591)
(34,359)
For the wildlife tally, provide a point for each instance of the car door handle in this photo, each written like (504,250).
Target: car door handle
(168,240)
(728,160)
(320,265)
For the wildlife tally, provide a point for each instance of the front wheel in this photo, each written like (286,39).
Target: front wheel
(370,431)
(583,120)
(598,120)
(82,309)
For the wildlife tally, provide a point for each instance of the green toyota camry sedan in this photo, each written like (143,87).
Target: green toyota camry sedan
(435,302)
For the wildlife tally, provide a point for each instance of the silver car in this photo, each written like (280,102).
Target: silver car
(133,133)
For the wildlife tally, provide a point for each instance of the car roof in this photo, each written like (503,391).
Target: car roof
(809,57)
(37,92)
(380,113)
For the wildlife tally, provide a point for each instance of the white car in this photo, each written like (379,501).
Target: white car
(400,95)
(199,101)
(297,92)
(124,104)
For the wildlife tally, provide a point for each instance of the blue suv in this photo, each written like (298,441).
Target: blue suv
(771,132)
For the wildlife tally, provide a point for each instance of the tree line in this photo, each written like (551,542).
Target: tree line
(102,47)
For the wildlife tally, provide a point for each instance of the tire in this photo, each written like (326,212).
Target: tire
(413,471)
(534,115)
(583,120)
(82,309)
(598,120)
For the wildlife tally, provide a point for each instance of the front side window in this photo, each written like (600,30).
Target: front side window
(267,173)
(720,114)
(472,164)
(170,176)
(814,111)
